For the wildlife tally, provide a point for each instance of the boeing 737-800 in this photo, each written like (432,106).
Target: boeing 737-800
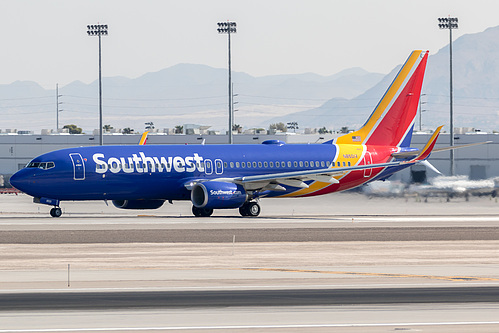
(236,176)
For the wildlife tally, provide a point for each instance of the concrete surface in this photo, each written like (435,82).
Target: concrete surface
(169,266)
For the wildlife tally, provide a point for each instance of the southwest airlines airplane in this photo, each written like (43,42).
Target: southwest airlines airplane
(236,176)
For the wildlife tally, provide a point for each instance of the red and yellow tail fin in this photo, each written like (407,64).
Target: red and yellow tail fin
(392,120)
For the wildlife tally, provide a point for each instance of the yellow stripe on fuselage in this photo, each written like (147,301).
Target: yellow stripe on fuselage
(363,132)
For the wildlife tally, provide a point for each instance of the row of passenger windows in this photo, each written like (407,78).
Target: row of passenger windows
(289,164)
(271,164)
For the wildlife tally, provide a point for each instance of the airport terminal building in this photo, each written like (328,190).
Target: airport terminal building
(478,162)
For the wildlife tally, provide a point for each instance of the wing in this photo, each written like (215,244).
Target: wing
(278,181)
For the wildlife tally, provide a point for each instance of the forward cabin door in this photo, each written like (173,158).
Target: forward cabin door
(368,160)
(78,166)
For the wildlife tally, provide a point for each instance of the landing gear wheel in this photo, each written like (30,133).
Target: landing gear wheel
(253,209)
(201,212)
(243,210)
(250,209)
(56,212)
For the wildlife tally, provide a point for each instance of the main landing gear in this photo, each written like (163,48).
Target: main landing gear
(250,208)
(201,212)
(56,212)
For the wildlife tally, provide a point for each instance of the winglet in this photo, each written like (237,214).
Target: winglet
(143,139)
(426,151)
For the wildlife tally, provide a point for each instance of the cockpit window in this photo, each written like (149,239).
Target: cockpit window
(41,165)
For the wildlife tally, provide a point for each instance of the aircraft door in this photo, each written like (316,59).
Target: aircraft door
(368,160)
(219,167)
(78,166)
(208,167)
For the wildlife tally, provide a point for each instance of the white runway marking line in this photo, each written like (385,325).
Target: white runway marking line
(110,329)
(430,219)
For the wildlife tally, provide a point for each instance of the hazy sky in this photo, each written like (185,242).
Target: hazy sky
(46,40)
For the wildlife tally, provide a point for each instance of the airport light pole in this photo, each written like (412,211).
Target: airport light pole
(57,110)
(99,30)
(421,111)
(228,28)
(450,23)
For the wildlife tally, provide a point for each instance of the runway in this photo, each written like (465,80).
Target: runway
(405,266)
(243,298)
(357,234)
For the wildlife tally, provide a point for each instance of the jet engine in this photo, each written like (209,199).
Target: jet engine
(218,195)
(138,204)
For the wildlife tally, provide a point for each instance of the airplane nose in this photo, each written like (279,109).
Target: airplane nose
(18,180)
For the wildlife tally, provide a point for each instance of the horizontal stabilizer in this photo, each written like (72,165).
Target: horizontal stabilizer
(461,146)
(414,153)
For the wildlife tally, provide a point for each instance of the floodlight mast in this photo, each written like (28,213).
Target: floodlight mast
(450,23)
(228,28)
(99,30)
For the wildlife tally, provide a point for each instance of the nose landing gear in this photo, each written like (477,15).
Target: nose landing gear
(56,212)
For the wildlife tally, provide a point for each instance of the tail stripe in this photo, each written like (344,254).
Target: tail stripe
(393,118)
(397,86)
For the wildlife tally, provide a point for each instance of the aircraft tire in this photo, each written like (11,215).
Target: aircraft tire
(56,212)
(243,210)
(253,209)
(196,211)
(201,212)
(206,212)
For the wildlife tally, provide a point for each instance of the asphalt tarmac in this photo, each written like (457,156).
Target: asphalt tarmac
(335,263)
(242,298)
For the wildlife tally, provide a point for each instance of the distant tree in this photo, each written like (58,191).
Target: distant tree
(179,129)
(73,129)
(344,129)
(292,125)
(127,130)
(107,128)
(324,130)
(238,128)
(278,127)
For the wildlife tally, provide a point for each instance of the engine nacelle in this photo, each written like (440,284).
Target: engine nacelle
(138,204)
(218,195)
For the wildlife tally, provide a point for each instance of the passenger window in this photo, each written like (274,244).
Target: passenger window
(231,164)
(329,163)
(249,165)
(271,164)
(283,164)
(225,164)
(348,163)
(237,164)
(259,164)
(295,164)
(289,164)
(343,163)
(322,164)
(301,164)
(243,164)
(306,164)
(254,164)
